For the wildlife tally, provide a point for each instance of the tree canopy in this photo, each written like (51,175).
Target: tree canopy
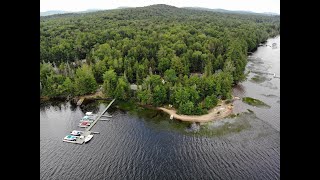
(189,58)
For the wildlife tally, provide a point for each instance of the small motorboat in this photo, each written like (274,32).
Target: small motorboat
(70,138)
(76,133)
(84,124)
(85,118)
(88,138)
(89,114)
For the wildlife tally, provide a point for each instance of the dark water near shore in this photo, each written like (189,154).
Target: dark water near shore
(148,145)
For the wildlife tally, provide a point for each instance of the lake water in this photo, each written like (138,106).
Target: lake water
(148,145)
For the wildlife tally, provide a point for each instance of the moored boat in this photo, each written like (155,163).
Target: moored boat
(70,138)
(88,138)
(84,118)
(84,124)
(76,133)
(88,113)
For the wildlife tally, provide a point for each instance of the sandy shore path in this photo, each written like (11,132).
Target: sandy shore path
(220,111)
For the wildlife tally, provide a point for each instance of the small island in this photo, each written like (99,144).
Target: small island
(254,102)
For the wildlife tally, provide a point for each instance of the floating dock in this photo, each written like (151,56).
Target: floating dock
(87,131)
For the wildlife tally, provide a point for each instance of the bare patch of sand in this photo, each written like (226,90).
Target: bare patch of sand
(222,110)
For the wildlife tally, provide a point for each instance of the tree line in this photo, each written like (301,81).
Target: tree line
(187,58)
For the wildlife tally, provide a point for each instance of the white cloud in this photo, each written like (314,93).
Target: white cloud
(81,5)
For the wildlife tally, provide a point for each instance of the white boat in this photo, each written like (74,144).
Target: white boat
(88,138)
(88,113)
(76,133)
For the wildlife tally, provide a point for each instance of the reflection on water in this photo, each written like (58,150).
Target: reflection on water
(146,144)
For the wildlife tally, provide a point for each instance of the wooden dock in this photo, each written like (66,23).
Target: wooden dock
(96,120)
(87,131)
(80,102)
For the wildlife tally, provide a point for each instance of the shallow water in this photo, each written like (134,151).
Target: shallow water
(265,59)
(148,145)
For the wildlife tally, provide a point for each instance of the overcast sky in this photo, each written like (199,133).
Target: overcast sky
(82,5)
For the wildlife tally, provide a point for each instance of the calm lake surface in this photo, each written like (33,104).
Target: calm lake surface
(146,144)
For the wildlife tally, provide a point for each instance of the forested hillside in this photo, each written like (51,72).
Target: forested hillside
(188,58)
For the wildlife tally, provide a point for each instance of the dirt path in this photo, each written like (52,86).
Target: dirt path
(224,109)
(95,95)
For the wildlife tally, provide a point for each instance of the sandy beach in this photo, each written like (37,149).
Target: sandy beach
(224,109)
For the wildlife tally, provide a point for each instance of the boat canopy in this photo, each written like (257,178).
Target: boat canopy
(85,117)
(88,113)
(70,137)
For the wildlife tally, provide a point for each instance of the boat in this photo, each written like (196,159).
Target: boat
(87,121)
(84,124)
(87,118)
(76,133)
(88,138)
(89,114)
(70,138)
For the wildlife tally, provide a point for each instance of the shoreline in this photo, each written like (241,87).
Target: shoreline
(93,96)
(223,109)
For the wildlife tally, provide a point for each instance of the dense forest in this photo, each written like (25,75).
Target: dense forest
(187,58)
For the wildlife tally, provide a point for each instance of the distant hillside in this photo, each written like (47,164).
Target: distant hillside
(270,13)
(228,11)
(48,13)
(124,7)
(53,12)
